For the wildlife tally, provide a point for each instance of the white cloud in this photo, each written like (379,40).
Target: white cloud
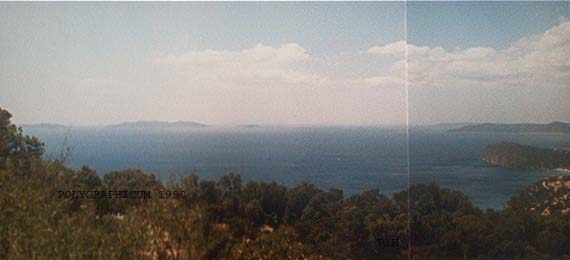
(396,49)
(537,61)
(284,66)
(261,64)
(381,82)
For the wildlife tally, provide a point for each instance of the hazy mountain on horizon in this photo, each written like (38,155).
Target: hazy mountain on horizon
(156,123)
(553,127)
(43,125)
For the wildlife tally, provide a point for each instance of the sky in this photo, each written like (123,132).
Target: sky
(333,63)
(500,62)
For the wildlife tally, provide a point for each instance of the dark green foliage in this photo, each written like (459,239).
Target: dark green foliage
(444,224)
(297,199)
(17,151)
(128,180)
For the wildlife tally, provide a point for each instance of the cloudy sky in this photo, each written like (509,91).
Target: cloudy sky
(285,63)
(488,62)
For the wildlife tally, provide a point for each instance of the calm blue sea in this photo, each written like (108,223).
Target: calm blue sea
(350,158)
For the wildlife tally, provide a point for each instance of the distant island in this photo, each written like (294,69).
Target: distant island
(158,124)
(554,127)
(250,126)
(43,125)
(518,156)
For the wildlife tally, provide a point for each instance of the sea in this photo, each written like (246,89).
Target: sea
(353,159)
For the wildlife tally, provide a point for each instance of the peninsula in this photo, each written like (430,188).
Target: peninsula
(554,127)
(518,156)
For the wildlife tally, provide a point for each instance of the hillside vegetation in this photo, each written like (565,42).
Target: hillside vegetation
(518,156)
(230,219)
